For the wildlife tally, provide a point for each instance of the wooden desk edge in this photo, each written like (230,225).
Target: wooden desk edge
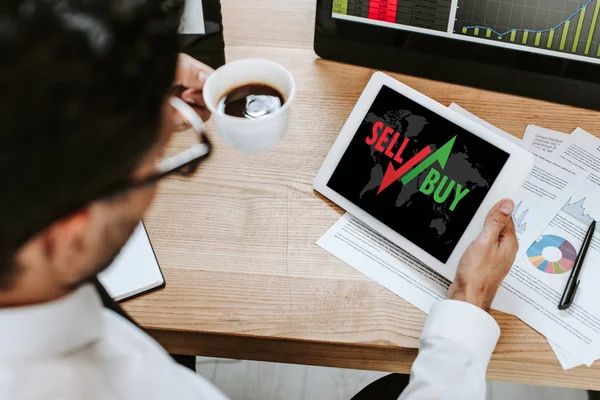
(357,356)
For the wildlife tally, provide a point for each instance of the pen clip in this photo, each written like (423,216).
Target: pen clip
(569,297)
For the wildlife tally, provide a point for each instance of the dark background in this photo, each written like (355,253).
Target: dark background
(474,163)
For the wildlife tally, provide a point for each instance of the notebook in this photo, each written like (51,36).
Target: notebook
(135,271)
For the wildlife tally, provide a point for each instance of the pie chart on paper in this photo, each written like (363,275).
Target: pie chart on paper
(552,254)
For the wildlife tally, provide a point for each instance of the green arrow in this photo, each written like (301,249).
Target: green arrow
(441,155)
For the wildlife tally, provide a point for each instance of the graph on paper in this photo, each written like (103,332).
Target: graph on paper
(568,26)
(520,218)
(576,209)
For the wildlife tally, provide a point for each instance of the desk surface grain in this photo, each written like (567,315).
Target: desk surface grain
(237,242)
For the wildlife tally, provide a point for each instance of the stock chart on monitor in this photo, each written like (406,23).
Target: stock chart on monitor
(563,28)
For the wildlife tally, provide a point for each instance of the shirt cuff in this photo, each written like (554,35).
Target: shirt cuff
(465,324)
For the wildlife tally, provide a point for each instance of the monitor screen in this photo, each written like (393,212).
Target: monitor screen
(416,172)
(562,28)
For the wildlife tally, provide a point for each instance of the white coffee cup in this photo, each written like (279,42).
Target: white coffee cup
(250,135)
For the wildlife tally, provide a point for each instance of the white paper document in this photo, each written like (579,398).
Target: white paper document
(566,359)
(537,280)
(541,141)
(546,189)
(580,151)
(387,264)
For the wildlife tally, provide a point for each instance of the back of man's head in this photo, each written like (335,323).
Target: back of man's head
(81,87)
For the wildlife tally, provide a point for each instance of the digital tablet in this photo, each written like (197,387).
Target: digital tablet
(418,173)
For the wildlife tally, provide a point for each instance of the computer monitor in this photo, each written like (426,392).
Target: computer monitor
(201,31)
(547,49)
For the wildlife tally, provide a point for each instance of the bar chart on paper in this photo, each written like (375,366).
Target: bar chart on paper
(568,26)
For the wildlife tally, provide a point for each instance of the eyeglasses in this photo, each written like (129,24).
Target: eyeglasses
(191,137)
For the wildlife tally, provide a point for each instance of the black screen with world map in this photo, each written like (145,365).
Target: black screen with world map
(416,172)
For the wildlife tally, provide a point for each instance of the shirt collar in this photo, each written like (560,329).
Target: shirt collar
(51,329)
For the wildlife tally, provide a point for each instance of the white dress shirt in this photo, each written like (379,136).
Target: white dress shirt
(456,345)
(75,349)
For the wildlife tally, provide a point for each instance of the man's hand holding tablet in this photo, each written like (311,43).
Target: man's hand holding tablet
(419,174)
(487,260)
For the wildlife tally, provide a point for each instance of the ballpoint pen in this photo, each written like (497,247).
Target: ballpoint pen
(573,282)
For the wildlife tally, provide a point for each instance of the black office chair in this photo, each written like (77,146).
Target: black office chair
(390,388)
(387,388)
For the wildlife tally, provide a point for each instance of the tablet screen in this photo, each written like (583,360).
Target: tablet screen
(416,172)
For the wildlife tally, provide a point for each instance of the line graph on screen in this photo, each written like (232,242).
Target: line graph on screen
(565,26)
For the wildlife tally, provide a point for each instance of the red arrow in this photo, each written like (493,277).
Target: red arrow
(391,175)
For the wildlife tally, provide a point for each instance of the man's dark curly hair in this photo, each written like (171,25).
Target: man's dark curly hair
(82,83)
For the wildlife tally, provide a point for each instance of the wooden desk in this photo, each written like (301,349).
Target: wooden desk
(237,242)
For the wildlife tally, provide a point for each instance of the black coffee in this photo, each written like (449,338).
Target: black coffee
(253,101)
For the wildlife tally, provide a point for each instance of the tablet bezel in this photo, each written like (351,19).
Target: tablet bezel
(512,175)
